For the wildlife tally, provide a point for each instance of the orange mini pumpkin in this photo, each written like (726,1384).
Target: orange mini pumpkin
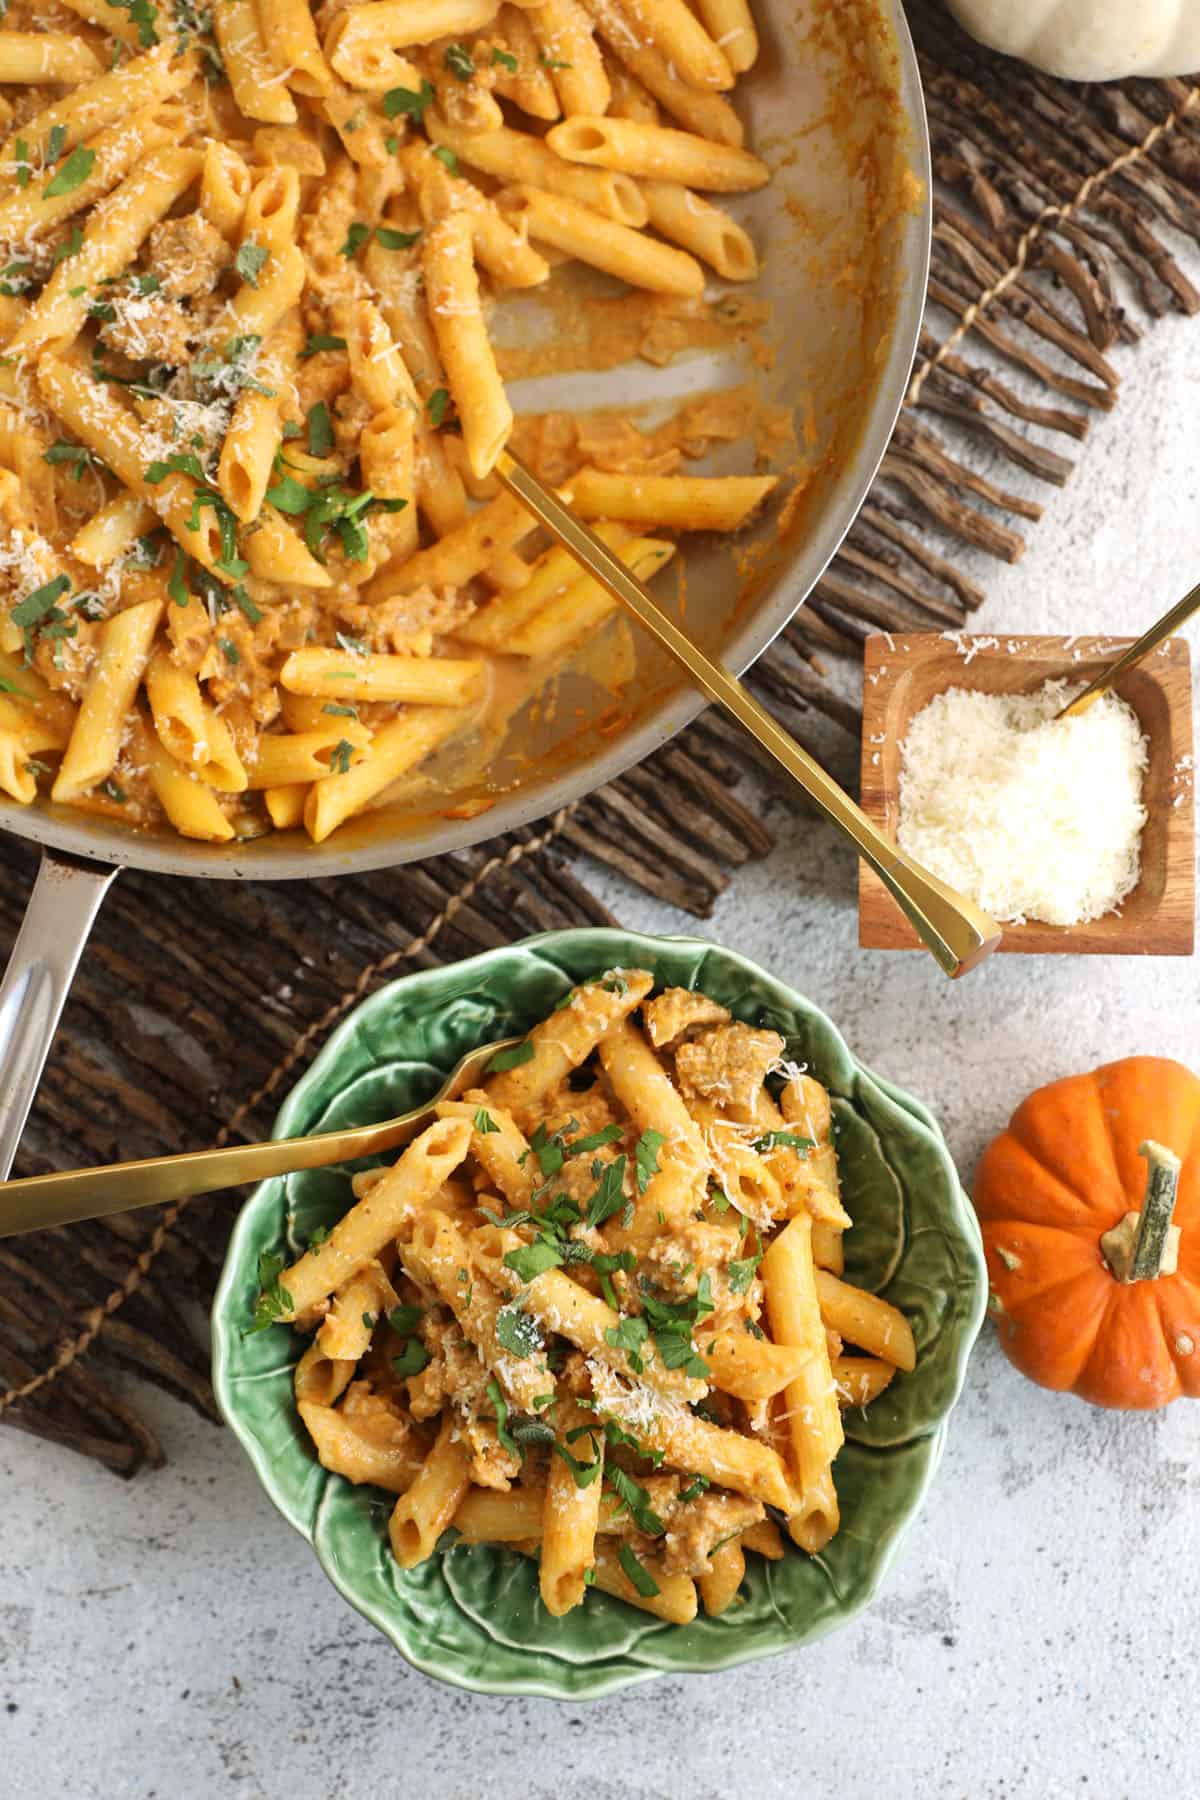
(1090,1208)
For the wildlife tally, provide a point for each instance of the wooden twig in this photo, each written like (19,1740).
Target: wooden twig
(881,519)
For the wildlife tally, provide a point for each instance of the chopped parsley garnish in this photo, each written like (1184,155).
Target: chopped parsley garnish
(340,712)
(368,1320)
(344,513)
(630,1336)
(542,1401)
(249,262)
(504,60)
(413,104)
(605,1263)
(549,1148)
(609,1196)
(143,15)
(318,1237)
(584,1472)
(356,236)
(436,406)
(741,1274)
(339,756)
(497,1399)
(273,1300)
(646,1157)
(554,62)
(16,279)
(352,646)
(177,585)
(695,1487)
(322,341)
(320,429)
(24,166)
(183,462)
(719,1200)
(231,652)
(290,496)
(639,1575)
(9,686)
(517,1331)
(245,605)
(388,238)
(56,143)
(671,1322)
(71,245)
(458,61)
(782,1140)
(484,1122)
(36,606)
(404,1320)
(446,156)
(608,1134)
(111,789)
(73,173)
(634,1500)
(330,508)
(76,455)
(412,1359)
(508,1059)
(532,1260)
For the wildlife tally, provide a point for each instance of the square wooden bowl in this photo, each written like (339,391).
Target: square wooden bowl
(902,674)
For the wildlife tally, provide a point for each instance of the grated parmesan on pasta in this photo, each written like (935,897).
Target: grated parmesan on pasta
(1031,816)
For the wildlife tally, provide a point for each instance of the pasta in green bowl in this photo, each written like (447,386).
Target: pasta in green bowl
(472,1613)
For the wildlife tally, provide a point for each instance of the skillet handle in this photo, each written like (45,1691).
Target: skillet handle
(65,900)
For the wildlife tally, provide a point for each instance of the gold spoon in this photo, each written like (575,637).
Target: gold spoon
(63,1199)
(957,932)
(1136,653)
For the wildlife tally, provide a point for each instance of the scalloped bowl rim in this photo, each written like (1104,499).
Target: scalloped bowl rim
(923,1124)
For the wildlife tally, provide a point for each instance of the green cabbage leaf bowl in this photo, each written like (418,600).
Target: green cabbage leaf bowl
(471,1616)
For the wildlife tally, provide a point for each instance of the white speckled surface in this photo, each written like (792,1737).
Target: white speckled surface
(1038,1635)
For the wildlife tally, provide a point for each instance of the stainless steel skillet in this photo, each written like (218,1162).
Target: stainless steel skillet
(845,224)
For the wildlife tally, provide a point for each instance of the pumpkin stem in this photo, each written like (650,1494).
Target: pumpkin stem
(1162,1187)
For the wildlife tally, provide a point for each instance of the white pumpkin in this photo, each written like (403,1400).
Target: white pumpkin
(1089,40)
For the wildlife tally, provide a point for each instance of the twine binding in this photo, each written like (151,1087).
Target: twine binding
(1048,216)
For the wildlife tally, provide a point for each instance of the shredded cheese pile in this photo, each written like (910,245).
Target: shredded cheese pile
(1032,817)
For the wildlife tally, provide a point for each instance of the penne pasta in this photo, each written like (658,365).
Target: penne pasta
(722,502)
(810,1413)
(577,231)
(257,328)
(657,153)
(499,1343)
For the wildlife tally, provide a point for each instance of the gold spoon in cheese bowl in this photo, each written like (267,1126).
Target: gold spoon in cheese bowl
(64,1198)
(958,934)
(1136,653)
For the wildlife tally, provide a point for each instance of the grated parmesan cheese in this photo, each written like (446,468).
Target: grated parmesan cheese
(1030,816)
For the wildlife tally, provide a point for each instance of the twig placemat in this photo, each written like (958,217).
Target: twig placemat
(1064,218)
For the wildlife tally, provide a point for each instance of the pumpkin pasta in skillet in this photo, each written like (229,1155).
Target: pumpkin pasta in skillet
(254,569)
(595,1311)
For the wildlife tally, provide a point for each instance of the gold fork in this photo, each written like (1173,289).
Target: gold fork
(958,934)
(63,1199)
